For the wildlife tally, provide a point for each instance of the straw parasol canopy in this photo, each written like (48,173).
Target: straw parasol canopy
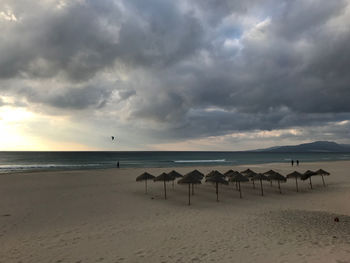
(247,171)
(250,174)
(307,175)
(175,174)
(295,175)
(231,173)
(217,178)
(235,173)
(197,174)
(238,178)
(322,173)
(277,177)
(189,179)
(228,172)
(144,177)
(214,173)
(268,173)
(260,177)
(165,178)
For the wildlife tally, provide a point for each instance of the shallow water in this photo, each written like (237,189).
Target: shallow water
(29,161)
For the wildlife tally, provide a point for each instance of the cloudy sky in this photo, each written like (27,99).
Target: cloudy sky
(173,75)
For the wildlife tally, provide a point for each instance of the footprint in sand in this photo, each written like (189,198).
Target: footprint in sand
(140,254)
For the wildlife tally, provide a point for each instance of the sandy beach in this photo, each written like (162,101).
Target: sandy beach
(105,216)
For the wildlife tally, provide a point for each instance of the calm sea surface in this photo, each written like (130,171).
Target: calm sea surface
(33,161)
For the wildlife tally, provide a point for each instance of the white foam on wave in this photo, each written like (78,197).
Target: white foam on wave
(43,166)
(200,161)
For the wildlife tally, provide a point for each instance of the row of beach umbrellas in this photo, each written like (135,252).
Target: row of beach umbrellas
(215,177)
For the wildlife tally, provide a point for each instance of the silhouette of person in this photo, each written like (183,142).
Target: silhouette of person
(297,162)
(292,162)
(118,164)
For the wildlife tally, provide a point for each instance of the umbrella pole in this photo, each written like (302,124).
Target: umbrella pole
(146,186)
(279,186)
(189,194)
(240,191)
(323,181)
(217,192)
(296,183)
(310,182)
(253,184)
(173,183)
(236,186)
(192,189)
(164,190)
(262,191)
(271,183)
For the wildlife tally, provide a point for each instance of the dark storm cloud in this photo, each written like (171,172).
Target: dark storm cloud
(87,37)
(71,98)
(195,68)
(74,40)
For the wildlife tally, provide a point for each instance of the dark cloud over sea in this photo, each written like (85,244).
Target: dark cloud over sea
(177,70)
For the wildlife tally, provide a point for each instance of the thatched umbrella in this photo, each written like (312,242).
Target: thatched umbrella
(197,174)
(277,177)
(295,175)
(307,175)
(268,173)
(229,173)
(165,178)
(175,174)
(189,179)
(250,174)
(322,173)
(238,178)
(214,173)
(217,178)
(233,174)
(144,177)
(246,172)
(260,177)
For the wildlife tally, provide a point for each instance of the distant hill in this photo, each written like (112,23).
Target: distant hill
(319,146)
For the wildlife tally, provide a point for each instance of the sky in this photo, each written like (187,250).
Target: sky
(173,75)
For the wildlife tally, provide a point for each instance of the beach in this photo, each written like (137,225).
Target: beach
(105,216)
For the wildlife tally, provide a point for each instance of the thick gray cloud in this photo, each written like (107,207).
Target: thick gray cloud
(71,98)
(187,69)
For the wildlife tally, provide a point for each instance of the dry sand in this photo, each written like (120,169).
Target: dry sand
(104,216)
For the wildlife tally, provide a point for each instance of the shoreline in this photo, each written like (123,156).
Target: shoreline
(189,167)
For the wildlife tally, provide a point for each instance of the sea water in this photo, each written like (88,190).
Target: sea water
(33,161)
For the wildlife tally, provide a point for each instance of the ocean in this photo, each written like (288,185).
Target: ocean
(35,161)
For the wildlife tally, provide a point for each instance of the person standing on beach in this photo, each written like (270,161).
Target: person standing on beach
(297,162)
(292,162)
(118,164)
